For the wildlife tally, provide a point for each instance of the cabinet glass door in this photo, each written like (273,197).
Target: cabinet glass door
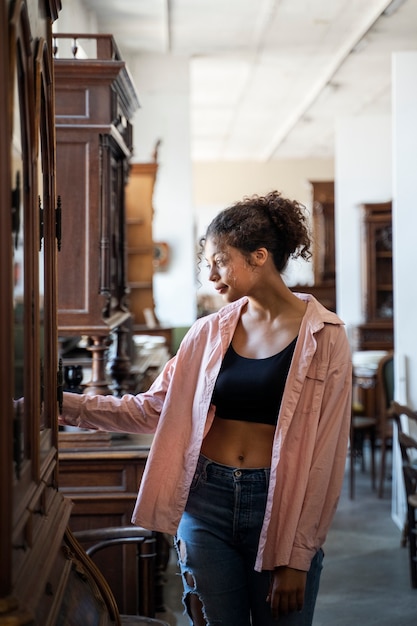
(21,177)
(47,247)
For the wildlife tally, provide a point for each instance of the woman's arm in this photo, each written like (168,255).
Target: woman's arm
(130,413)
(329,456)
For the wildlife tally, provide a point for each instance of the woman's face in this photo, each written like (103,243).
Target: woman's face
(229,271)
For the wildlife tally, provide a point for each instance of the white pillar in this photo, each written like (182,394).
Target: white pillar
(163,85)
(405,221)
(362,174)
(404,127)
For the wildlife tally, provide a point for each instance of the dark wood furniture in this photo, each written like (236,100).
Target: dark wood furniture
(364,423)
(46,578)
(95,102)
(362,428)
(140,243)
(97,540)
(324,254)
(102,482)
(385,396)
(103,486)
(373,393)
(408,448)
(377,331)
(34,566)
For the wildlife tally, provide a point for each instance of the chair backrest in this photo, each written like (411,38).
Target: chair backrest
(410,479)
(385,381)
(97,539)
(408,444)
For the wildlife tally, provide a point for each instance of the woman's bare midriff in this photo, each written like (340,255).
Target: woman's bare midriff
(239,444)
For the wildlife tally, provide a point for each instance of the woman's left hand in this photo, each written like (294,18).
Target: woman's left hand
(286,593)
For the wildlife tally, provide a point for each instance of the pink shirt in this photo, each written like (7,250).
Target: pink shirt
(309,451)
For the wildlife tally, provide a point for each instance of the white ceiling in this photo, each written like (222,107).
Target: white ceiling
(270,77)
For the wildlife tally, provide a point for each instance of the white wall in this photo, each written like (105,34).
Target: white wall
(162,83)
(363,173)
(405,220)
(75,18)
(404,229)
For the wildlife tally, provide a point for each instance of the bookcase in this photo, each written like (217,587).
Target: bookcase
(376,333)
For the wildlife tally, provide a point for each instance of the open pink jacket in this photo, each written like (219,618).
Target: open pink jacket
(309,452)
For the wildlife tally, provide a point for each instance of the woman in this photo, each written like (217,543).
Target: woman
(251,422)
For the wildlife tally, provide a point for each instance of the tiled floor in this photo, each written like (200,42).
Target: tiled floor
(365,580)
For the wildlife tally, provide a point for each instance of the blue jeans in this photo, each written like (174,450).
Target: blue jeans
(217,542)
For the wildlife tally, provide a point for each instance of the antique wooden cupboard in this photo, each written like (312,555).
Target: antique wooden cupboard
(95,103)
(34,567)
(45,578)
(324,254)
(377,333)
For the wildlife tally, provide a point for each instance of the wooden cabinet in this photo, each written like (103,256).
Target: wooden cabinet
(37,564)
(46,579)
(324,249)
(324,252)
(377,331)
(95,102)
(102,483)
(140,244)
(103,486)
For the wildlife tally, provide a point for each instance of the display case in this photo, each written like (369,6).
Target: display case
(34,514)
(378,294)
(95,103)
(323,249)
(46,578)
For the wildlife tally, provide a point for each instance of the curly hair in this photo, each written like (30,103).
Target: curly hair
(271,221)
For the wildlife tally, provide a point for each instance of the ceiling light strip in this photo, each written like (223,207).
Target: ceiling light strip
(324,79)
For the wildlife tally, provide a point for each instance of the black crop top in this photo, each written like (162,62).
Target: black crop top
(251,389)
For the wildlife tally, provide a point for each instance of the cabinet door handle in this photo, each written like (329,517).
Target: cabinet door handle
(60,386)
(16,210)
(58,223)
(41,222)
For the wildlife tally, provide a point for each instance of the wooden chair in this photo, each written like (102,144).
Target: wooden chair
(410,481)
(408,447)
(385,395)
(94,540)
(362,428)
(376,427)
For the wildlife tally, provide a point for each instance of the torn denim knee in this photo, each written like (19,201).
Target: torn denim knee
(188,580)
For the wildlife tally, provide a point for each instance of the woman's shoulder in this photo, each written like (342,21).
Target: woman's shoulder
(214,323)
(225,312)
(317,312)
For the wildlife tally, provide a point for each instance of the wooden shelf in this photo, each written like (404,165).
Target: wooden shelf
(140,250)
(140,244)
(140,285)
(377,331)
(132,220)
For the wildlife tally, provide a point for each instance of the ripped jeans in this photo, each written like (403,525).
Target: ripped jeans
(217,542)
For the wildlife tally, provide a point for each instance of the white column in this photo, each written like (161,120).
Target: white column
(404,127)
(362,174)
(163,86)
(405,221)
